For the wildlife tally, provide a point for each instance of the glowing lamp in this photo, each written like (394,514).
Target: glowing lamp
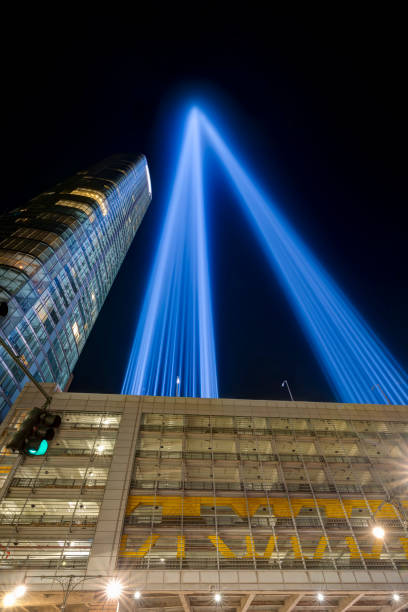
(378,532)
(9,600)
(113,589)
(20,590)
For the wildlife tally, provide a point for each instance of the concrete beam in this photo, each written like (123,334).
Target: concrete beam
(346,602)
(395,608)
(246,602)
(184,602)
(291,602)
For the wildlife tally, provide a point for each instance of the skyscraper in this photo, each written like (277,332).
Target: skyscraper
(59,255)
(272,505)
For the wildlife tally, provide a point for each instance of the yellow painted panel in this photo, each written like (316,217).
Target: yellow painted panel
(281,507)
(250,548)
(122,546)
(353,548)
(332,507)
(191,506)
(296,547)
(404,542)
(320,548)
(251,552)
(142,551)
(221,546)
(354,552)
(181,547)
(270,547)
(386,511)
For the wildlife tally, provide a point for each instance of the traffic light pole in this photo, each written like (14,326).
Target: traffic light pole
(21,365)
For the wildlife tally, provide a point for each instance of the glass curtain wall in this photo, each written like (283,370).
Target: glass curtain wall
(59,256)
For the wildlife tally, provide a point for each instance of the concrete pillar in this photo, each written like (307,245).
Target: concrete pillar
(109,528)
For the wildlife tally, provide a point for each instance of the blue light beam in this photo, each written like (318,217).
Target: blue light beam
(357,365)
(173,351)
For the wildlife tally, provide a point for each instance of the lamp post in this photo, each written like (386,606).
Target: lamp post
(69,584)
(285,383)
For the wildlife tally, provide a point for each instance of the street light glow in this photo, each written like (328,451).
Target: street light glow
(137,595)
(396,597)
(20,590)
(113,589)
(378,532)
(320,597)
(217,597)
(9,600)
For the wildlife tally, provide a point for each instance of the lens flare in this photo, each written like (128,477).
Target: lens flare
(113,589)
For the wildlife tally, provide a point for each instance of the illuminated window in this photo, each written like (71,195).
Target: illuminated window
(98,196)
(79,206)
(75,331)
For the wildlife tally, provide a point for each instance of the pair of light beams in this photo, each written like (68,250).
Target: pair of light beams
(175,334)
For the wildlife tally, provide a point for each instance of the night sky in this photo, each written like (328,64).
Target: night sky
(317,111)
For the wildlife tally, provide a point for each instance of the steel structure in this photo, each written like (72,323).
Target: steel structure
(268,503)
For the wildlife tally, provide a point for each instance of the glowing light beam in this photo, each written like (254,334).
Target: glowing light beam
(175,337)
(353,358)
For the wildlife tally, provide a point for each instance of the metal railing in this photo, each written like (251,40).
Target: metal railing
(44,519)
(78,452)
(59,483)
(258,563)
(250,456)
(67,563)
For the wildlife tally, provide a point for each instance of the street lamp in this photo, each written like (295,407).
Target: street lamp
(378,532)
(320,597)
(217,597)
(113,589)
(20,590)
(10,598)
(285,383)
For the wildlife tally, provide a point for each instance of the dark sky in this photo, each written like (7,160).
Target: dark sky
(316,107)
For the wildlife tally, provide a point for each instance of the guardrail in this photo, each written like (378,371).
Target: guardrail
(59,483)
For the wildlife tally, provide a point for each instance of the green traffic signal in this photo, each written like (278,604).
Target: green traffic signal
(42,449)
(34,432)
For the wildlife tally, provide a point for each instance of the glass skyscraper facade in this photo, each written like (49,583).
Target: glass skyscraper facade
(59,256)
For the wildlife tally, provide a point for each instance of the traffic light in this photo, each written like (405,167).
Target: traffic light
(34,433)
